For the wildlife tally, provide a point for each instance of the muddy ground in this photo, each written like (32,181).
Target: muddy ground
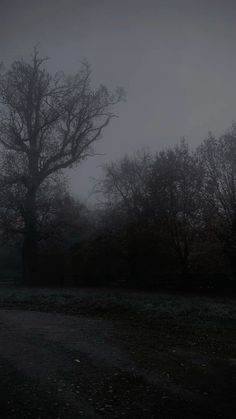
(95,360)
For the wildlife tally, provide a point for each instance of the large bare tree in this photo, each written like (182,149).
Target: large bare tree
(47,123)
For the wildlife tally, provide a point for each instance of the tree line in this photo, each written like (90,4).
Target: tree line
(167,219)
(184,200)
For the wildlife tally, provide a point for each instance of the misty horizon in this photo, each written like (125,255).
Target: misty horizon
(175,62)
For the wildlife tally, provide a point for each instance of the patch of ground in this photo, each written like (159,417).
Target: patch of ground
(119,355)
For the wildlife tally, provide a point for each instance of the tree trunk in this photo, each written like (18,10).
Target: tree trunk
(30,243)
(29,260)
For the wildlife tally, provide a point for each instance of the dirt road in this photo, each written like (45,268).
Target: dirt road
(60,366)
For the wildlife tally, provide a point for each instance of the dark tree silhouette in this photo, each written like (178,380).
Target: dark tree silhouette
(47,123)
(175,195)
(125,186)
(218,157)
(163,190)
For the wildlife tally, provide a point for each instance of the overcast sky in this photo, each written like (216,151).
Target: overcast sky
(176,60)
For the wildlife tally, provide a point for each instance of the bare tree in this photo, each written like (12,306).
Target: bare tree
(175,191)
(125,186)
(47,123)
(163,191)
(63,219)
(218,157)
